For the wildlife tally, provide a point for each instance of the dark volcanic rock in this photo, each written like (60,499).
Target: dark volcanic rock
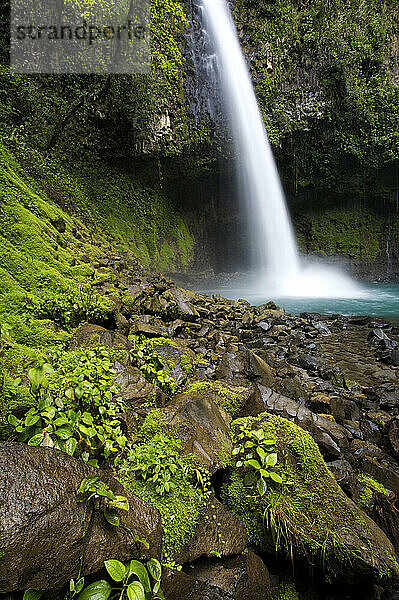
(43,528)
(243,577)
(331,437)
(134,388)
(202,425)
(219,531)
(394,437)
(94,335)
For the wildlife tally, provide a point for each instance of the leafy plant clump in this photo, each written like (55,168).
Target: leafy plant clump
(129,581)
(135,580)
(257,456)
(77,306)
(77,411)
(154,368)
(157,461)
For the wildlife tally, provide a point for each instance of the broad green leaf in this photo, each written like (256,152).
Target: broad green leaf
(262,486)
(70,446)
(98,590)
(51,412)
(154,568)
(61,420)
(112,517)
(115,569)
(36,440)
(275,477)
(63,432)
(36,376)
(86,483)
(12,419)
(87,418)
(140,571)
(261,453)
(135,591)
(32,594)
(271,460)
(236,451)
(31,420)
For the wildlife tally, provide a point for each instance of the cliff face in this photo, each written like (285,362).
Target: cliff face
(326,76)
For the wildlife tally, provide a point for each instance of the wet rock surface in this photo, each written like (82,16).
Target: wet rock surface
(45,528)
(219,533)
(243,577)
(337,378)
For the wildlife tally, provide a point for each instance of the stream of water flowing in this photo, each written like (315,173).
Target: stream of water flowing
(280,270)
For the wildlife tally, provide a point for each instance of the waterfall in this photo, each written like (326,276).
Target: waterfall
(276,260)
(269,220)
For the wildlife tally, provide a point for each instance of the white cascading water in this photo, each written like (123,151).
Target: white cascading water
(277,263)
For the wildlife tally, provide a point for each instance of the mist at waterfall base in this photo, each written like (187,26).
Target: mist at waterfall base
(280,272)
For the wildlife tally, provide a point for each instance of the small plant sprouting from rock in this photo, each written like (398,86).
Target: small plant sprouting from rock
(92,488)
(135,580)
(256,454)
(157,461)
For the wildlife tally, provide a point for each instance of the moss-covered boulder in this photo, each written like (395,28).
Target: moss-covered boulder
(308,516)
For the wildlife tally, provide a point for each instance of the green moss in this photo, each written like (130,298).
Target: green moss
(225,396)
(369,487)
(347,232)
(180,511)
(153,423)
(308,515)
(287,591)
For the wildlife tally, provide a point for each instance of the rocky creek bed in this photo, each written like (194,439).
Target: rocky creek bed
(322,390)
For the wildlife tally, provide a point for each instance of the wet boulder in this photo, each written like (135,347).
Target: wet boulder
(179,360)
(44,528)
(134,389)
(202,425)
(218,532)
(332,438)
(93,335)
(243,577)
(307,514)
(371,459)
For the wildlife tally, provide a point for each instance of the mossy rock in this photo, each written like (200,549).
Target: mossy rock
(203,428)
(233,398)
(309,516)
